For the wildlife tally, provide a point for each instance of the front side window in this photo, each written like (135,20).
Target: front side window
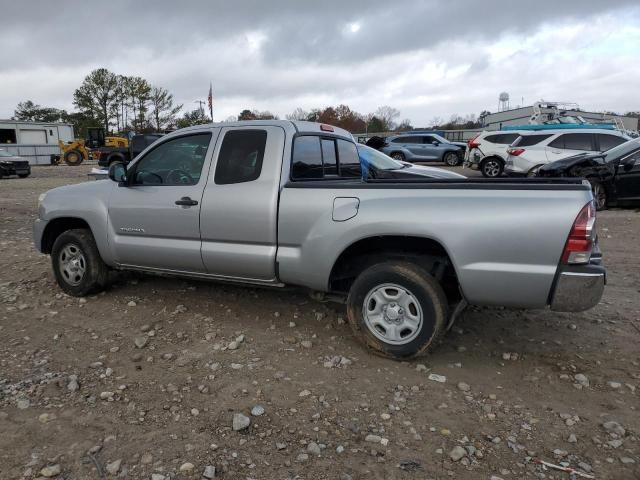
(607,142)
(241,155)
(175,162)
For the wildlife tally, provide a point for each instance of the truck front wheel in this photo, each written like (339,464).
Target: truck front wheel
(77,265)
(397,309)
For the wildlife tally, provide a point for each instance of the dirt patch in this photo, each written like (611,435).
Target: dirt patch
(79,396)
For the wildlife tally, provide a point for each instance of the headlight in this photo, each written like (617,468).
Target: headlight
(41,199)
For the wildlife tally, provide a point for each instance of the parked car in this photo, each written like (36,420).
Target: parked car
(109,155)
(378,165)
(533,149)
(487,152)
(276,203)
(614,176)
(412,147)
(11,164)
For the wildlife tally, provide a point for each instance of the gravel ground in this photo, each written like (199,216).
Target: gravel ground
(163,378)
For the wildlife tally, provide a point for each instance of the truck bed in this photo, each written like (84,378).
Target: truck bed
(504,237)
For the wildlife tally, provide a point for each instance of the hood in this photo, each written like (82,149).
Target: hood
(561,167)
(12,159)
(462,145)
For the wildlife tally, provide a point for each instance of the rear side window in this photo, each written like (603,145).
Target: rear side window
(573,141)
(609,141)
(413,139)
(315,157)
(528,140)
(349,160)
(241,155)
(502,138)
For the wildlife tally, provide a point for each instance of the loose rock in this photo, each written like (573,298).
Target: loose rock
(457,453)
(51,470)
(114,466)
(257,410)
(240,421)
(140,341)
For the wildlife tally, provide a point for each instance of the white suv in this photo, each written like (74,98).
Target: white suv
(487,152)
(536,148)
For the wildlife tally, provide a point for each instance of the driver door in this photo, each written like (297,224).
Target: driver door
(628,178)
(154,218)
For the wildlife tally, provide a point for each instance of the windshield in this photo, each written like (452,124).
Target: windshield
(622,149)
(371,158)
(4,153)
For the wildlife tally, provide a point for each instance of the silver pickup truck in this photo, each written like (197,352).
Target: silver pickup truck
(277,203)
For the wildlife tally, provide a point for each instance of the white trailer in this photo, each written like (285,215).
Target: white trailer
(35,141)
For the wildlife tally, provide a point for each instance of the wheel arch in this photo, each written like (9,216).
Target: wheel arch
(427,252)
(57,227)
(493,156)
(115,157)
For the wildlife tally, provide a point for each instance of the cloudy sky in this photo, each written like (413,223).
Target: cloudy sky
(426,58)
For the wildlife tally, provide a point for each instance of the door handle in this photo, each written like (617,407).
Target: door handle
(186,201)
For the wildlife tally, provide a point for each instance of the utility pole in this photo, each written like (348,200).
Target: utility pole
(201,103)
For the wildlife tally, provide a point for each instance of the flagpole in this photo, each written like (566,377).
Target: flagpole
(211,100)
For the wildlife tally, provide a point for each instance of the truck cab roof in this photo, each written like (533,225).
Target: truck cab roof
(294,125)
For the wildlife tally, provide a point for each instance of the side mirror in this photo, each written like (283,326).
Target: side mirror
(628,164)
(435,143)
(118,172)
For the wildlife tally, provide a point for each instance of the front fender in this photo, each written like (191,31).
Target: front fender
(86,201)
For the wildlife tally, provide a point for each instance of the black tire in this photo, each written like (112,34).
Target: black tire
(95,276)
(599,194)
(425,291)
(491,167)
(112,160)
(451,159)
(23,175)
(398,156)
(73,158)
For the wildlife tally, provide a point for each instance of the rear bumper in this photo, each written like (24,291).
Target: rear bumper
(579,288)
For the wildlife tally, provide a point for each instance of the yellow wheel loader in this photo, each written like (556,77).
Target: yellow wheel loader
(79,150)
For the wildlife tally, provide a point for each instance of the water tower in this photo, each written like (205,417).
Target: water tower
(503,102)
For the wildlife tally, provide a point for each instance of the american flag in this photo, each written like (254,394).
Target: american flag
(210,98)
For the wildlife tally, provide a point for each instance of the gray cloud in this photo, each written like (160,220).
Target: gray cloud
(278,54)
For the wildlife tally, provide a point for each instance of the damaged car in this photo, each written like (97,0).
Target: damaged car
(614,175)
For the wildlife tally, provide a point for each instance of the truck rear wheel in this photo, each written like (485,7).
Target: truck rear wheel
(77,264)
(397,309)
(73,158)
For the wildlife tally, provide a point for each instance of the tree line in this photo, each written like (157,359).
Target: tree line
(119,103)
(122,103)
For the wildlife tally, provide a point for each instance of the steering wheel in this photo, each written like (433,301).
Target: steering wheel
(141,174)
(179,177)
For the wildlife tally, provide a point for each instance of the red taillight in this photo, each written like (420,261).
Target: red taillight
(515,151)
(472,142)
(326,128)
(578,247)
